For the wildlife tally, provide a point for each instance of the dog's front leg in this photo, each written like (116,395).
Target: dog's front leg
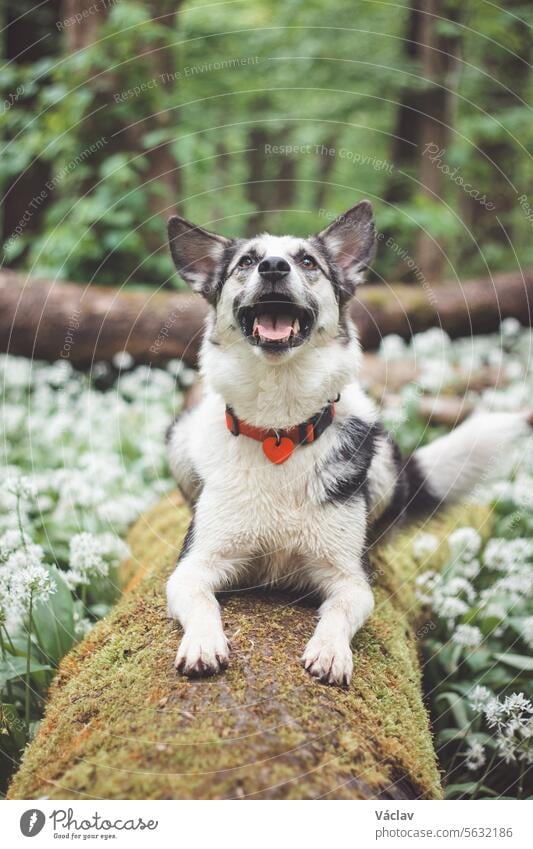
(204,649)
(347,605)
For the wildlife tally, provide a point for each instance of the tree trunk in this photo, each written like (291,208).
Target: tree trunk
(23,25)
(120,724)
(438,57)
(82,28)
(505,89)
(84,324)
(155,61)
(424,118)
(271,180)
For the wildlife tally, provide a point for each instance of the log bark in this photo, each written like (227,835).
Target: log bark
(51,320)
(120,724)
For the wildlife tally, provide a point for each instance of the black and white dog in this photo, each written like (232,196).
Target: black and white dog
(284,460)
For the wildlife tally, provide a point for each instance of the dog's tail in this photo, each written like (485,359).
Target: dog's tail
(453,465)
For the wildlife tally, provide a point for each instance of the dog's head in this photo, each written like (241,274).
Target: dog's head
(276,293)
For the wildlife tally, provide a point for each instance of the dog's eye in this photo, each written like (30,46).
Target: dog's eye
(307,261)
(245,261)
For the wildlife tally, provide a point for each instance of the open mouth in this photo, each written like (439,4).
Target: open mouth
(276,323)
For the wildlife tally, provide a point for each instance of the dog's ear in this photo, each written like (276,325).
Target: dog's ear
(350,241)
(198,254)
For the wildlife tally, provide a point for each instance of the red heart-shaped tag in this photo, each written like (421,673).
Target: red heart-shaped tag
(278,451)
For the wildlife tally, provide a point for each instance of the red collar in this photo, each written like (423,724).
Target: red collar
(278,445)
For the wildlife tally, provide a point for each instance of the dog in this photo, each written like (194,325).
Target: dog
(284,462)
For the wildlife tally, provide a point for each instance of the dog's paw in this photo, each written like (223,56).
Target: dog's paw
(202,654)
(330,661)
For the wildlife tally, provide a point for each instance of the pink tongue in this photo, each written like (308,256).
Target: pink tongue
(274,329)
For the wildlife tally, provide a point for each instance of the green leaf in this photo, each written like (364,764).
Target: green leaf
(54,620)
(15,667)
(448,734)
(517,661)
(452,791)
(457,706)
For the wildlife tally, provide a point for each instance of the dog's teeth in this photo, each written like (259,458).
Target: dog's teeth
(255,329)
(295,327)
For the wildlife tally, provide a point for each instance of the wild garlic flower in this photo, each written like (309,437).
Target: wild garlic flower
(392,347)
(11,541)
(510,327)
(424,545)
(475,756)
(506,555)
(123,360)
(86,556)
(20,487)
(468,636)
(479,696)
(32,582)
(91,555)
(464,544)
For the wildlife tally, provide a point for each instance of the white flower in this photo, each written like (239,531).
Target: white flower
(27,557)
(59,373)
(455,585)
(20,487)
(443,593)
(468,636)
(33,581)
(507,747)
(523,492)
(92,555)
(510,327)
(74,578)
(516,705)
(392,347)
(15,372)
(479,696)
(426,586)
(123,360)
(86,555)
(11,541)
(434,342)
(424,545)
(175,368)
(100,370)
(187,377)
(464,544)
(493,711)
(467,569)
(435,375)
(451,608)
(475,756)
(505,555)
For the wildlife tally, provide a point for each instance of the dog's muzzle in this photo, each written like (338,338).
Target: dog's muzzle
(275,322)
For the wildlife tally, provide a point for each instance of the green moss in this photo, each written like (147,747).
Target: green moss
(121,724)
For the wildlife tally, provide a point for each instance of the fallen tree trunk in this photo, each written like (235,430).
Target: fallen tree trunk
(120,724)
(84,324)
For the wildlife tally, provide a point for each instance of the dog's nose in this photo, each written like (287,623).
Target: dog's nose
(273,268)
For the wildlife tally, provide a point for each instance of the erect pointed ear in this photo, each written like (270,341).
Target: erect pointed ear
(198,255)
(350,241)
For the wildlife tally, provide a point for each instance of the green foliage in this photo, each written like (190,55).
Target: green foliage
(185,108)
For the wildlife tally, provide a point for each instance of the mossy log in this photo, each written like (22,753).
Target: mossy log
(49,320)
(120,724)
